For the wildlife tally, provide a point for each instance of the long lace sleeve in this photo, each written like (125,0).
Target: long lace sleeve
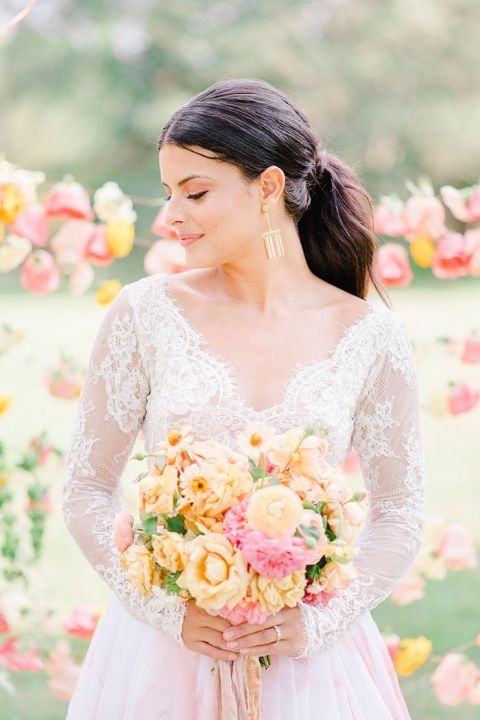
(388,440)
(110,413)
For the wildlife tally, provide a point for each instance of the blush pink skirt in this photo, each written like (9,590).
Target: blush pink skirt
(133,672)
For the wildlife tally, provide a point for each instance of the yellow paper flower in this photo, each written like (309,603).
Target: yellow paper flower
(5,403)
(215,573)
(422,250)
(275,510)
(411,654)
(108,291)
(119,237)
(2,232)
(157,492)
(4,477)
(273,594)
(138,564)
(168,550)
(12,203)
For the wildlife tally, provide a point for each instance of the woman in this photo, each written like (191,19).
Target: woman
(270,325)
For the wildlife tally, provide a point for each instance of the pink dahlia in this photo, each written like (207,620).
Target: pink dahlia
(252,613)
(235,523)
(275,557)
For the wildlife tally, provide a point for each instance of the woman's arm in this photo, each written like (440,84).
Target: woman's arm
(109,415)
(388,441)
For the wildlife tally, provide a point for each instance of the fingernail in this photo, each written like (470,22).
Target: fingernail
(232,645)
(228,635)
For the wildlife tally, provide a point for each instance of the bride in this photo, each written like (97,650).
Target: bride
(270,326)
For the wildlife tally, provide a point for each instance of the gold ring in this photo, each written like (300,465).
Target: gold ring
(278,633)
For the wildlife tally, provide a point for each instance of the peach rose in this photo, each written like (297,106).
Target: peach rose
(305,455)
(215,572)
(274,594)
(168,550)
(138,564)
(335,576)
(274,510)
(157,492)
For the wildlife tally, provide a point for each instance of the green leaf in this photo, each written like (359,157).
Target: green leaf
(149,523)
(175,524)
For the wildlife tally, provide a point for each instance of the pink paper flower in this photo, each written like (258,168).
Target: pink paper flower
(165,256)
(4,626)
(97,251)
(409,589)
(393,643)
(351,464)
(471,350)
(32,224)
(454,679)
(39,273)
(462,398)
(160,228)
(472,248)
(456,547)
(461,209)
(81,622)
(70,243)
(81,279)
(252,613)
(62,671)
(69,200)
(123,532)
(13,659)
(390,221)
(424,215)
(451,259)
(392,266)
(275,557)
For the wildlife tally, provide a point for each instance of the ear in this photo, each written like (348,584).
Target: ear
(272,183)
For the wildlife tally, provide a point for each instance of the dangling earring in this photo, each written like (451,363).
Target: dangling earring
(272,239)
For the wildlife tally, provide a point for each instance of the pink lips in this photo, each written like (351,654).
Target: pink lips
(188,239)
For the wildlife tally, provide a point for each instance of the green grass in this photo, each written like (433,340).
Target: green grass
(449,613)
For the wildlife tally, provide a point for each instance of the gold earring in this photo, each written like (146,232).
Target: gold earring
(272,239)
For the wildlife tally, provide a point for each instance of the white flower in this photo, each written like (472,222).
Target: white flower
(112,205)
(13,252)
(25,180)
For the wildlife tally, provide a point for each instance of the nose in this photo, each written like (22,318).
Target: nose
(173,214)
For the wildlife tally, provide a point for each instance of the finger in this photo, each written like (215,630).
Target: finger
(216,622)
(207,649)
(238,631)
(214,637)
(264,637)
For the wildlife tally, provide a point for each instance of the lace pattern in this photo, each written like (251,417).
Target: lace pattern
(149,368)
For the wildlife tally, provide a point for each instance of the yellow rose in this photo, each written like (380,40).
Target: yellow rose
(12,203)
(157,492)
(212,488)
(215,572)
(108,291)
(138,563)
(411,654)
(168,550)
(273,594)
(275,510)
(5,403)
(119,237)
(422,250)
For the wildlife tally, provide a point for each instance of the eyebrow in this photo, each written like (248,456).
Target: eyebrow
(190,177)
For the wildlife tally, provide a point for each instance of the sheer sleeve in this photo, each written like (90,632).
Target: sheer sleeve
(110,413)
(387,438)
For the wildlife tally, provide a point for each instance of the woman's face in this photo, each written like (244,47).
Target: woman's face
(221,206)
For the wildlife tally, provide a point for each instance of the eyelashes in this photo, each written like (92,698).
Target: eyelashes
(195,196)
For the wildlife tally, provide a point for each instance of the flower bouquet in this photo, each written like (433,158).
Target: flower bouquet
(245,531)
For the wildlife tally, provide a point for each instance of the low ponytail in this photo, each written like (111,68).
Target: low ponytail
(336,230)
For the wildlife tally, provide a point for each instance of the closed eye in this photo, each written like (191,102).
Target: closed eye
(195,196)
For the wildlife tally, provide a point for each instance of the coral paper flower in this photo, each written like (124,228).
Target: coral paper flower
(451,259)
(32,223)
(456,548)
(40,274)
(160,228)
(81,622)
(462,398)
(454,679)
(165,256)
(97,251)
(68,200)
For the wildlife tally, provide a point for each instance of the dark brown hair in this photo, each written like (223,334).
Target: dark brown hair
(252,125)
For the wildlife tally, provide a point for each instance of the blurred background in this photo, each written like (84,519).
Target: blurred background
(85,87)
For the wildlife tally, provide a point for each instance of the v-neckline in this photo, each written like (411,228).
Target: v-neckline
(230,371)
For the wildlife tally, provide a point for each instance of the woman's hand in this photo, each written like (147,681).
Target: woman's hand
(262,639)
(202,633)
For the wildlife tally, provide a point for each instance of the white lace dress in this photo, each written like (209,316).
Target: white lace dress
(150,369)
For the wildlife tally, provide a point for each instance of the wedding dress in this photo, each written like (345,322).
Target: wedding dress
(150,368)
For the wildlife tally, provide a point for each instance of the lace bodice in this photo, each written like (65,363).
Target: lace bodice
(149,368)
